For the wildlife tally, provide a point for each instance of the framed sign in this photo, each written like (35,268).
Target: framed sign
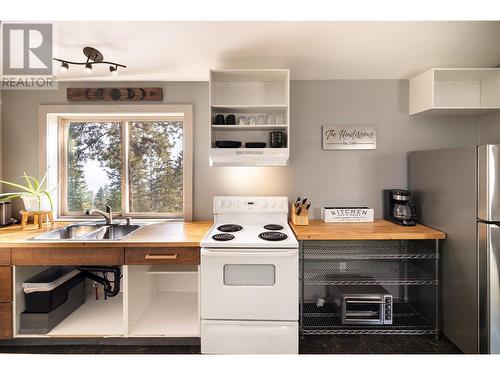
(349,137)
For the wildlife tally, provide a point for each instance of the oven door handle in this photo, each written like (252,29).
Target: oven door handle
(266,254)
(366,301)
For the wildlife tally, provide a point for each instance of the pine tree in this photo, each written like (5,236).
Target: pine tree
(155,173)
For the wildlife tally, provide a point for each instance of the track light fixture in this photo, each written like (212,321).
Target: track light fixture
(93,57)
(64,67)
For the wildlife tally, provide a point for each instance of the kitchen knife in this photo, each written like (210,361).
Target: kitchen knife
(304,201)
(298,211)
(297,202)
(308,205)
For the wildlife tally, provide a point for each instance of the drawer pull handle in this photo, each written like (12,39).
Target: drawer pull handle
(161,257)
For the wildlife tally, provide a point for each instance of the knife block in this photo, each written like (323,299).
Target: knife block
(302,218)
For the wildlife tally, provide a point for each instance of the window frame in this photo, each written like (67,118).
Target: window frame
(53,116)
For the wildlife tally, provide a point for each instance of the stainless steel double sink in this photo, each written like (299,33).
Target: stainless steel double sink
(89,232)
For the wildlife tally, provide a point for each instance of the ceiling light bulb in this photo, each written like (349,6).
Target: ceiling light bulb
(113,70)
(64,67)
(88,68)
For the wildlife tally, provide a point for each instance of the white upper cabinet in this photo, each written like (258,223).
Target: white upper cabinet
(467,91)
(246,105)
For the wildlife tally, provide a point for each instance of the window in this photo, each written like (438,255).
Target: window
(134,165)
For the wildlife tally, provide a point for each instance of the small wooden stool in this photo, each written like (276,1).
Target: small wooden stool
(38,217)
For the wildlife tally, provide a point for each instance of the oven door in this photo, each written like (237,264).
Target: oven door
(250,284)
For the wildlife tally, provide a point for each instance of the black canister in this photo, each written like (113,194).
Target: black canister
(219,120)
(230,120)
(276,139)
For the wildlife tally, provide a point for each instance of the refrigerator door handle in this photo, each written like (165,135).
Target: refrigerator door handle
(488,183)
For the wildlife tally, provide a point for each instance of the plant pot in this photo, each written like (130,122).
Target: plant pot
(31,203)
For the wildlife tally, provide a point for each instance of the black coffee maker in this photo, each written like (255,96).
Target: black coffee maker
(398,207)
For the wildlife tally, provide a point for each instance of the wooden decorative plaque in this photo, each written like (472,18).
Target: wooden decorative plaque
(349,137)
(120,94)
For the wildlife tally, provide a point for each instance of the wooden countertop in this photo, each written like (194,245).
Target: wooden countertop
(169,234)
(189,234)
(378,230)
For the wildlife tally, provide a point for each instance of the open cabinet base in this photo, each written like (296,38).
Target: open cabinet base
(170,314)
(153,302)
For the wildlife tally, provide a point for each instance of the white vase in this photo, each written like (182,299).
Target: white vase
(31,203)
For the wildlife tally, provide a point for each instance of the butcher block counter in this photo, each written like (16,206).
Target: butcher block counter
(377,230)
(154,243)
(166,234)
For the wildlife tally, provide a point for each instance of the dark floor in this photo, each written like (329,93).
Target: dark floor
(101,349)
(384,344)
(376,344)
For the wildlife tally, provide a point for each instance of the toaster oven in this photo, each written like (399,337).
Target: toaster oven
(5,213)
(363,305)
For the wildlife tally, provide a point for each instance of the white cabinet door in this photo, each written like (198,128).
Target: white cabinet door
(249,337)
(252,285)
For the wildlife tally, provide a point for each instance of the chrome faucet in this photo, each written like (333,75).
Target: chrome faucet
(108,215)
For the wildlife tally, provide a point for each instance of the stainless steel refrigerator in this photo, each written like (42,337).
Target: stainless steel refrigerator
(458,191)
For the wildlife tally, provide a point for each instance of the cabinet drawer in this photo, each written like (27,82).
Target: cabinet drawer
(4,256)
(5,284)
(60,256)
(162,255)
(5,320)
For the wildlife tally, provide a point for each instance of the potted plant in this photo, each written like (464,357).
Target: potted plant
(34,196)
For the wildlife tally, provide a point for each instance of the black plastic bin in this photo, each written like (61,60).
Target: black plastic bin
(49,289)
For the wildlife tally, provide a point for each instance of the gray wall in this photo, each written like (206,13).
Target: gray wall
(489,128)
(358,177)
(326,177)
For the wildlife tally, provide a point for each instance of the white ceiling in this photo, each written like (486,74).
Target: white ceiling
(184,51)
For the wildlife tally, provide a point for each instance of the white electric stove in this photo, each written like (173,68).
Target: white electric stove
(249,278)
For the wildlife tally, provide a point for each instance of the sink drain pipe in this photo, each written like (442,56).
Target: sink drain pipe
(109,291)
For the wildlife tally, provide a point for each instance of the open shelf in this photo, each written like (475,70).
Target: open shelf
(250,108)
(94,318)
(170,314)
(455,91)
(261,93)
(368,250)
(406,320)
(163,301)
(407,270)
(384,274)
(249,127)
